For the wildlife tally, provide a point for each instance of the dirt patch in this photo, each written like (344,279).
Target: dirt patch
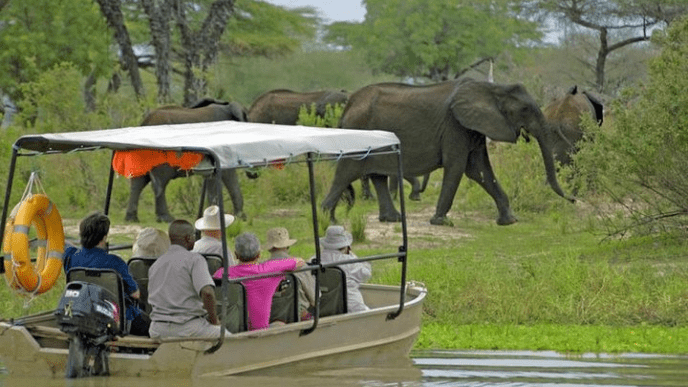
(421,233)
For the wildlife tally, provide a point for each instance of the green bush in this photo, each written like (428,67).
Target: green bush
(641,161)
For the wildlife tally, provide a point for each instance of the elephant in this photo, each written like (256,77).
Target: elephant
(442,125)
(205,110)
(565,114)
(281,106)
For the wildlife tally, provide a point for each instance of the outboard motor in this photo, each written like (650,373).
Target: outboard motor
(91,316)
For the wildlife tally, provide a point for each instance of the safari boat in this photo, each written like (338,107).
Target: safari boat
(37,345)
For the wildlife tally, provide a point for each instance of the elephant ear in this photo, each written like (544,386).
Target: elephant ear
(475,106)
(597,105)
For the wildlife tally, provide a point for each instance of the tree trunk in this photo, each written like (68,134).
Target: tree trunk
(200,47)
(112,11)
(159,20)
(90,92)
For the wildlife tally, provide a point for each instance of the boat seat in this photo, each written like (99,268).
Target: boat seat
(214,262)
(138,268)
(332,291)
(107,279)
(285,301)
(237,313)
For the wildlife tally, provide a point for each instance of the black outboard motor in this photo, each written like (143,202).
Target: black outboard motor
(91,316)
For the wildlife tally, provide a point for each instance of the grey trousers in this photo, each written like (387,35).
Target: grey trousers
(197,327)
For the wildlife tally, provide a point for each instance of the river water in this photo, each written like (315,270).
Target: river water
(442,368)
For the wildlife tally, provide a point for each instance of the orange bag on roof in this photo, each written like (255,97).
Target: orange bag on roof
(134,163)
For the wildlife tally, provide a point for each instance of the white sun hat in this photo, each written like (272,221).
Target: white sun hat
(211,219)
(336,237)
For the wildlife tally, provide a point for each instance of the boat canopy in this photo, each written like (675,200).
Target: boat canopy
(233,144)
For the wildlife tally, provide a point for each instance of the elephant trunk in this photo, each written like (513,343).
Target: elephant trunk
(550,169)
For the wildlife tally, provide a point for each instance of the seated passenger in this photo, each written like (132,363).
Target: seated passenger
(181,291)
(278,244)
(211,234)
(150,243)
(259,292)
(336,247)
(93,232)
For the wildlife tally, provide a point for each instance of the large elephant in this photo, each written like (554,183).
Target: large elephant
(442,125)
(282,106)
(205,110)
(566,114)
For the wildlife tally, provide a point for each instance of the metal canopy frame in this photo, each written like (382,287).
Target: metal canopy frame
(75,142)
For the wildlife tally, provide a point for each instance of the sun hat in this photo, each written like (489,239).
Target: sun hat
(211,219)
(150,243)
(278,237)
(336,237)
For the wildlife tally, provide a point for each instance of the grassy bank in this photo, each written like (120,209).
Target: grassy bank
(551,281)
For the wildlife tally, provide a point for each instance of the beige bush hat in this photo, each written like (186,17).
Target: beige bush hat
(336,237)
(150,243)
(278,237)
(211,219)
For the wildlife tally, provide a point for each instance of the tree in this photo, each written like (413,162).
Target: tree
(617,23)
(642,160)
(112,12)
(37,35)
(433,39)
(159,16)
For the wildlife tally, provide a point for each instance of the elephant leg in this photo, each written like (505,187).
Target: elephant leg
(415,187)
(393,186)
(231,182)
(426,180)
(160,177)
(385,203)
(136,186)
(452,174)
(346,172)
(479,169)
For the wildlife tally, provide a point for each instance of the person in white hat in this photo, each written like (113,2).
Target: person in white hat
(211,233)
(278,244)
(150,243)
(336,247)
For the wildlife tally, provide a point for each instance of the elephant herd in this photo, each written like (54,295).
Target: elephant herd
(444,125)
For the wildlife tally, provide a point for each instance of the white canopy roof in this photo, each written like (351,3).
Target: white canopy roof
(236,144)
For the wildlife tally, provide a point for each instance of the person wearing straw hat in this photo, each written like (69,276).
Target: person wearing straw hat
(336,247)
(150,243)
(211,233)
(278,244)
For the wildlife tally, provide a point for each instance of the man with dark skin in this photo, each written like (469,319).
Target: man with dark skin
(181,290)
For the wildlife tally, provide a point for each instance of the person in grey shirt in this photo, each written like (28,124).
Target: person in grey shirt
(181,290)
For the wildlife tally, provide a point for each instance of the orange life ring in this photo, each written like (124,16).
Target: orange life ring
(40,212)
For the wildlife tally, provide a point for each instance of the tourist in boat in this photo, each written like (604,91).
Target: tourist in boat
(181,291)
(259,292)
(336,247)
(93,234)
(278,244)
(211,233)
(150,243)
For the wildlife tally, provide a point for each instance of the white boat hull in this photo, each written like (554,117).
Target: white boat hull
(352,340)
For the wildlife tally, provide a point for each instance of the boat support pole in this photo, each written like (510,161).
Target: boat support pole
(404,232)
(225,258)
(8,191)
(108,192)
(314,214)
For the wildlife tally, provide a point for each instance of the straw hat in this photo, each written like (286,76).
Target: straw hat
(278,237)
(211,219)
(336,237)
(150,243)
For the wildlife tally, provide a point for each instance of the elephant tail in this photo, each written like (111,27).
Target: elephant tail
(349,196)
